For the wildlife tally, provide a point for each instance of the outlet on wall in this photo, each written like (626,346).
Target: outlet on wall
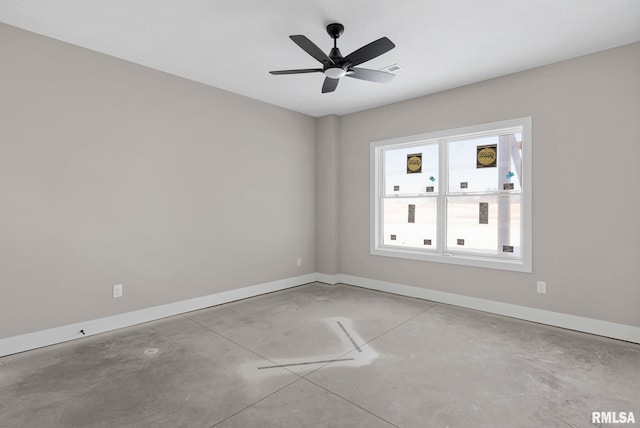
(299,261)
(542,287)
(117,290)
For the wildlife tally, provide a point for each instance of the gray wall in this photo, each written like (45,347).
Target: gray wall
(114,173)
(327,184)
(586,203)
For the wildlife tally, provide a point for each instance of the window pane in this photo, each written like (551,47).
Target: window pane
(411,170)
(472,224)
(410,222)
(485,164)
(488,225)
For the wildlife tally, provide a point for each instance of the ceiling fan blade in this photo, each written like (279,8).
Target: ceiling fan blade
(370,51)
(329,85)
(309,47)
(371,75)
(302,70)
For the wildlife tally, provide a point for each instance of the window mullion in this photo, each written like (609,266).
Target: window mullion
(443,186)
(381,193)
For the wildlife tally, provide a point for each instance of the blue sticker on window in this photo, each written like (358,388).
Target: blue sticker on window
(432,178)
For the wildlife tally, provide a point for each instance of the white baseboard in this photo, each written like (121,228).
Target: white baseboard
(38,339)
(557,319)
(328,279)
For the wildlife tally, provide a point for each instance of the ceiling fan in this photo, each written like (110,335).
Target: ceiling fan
(335,66)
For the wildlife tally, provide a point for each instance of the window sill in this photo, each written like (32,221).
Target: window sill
(456,259)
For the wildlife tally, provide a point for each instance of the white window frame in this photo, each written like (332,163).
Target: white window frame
(441,255)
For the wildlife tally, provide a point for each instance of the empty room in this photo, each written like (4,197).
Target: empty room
(321,213)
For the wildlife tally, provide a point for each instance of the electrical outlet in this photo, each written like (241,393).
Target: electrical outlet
(117,290)
(299,261)
(542,287)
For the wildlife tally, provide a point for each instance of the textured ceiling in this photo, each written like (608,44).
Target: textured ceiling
(232,45)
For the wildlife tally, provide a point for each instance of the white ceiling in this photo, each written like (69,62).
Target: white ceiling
(232,44)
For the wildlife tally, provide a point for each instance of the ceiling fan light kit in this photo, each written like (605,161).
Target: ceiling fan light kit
(335,72)
(335,66)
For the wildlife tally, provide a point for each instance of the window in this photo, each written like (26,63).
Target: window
(460,196)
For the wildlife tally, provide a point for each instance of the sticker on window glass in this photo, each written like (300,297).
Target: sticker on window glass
(432,178)
(393,237)
(427,242)
(507,248)
(414,163)
(464,184)
(429,189)
(484,213)
(460,241)
(412,213)
(508,186)
(487,156)
(396,188)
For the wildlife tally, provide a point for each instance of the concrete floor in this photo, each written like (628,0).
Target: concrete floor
(324,356)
